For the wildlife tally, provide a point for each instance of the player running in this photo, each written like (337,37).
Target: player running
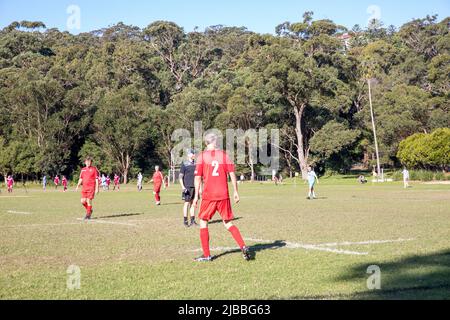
(56,182)
(312,179)
(64,183)
(187,177)
(140,179)
(158,179)
(89,180)
(10,184)
(213,167)
(44,183)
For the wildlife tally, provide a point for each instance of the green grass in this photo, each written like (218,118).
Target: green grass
(149,255)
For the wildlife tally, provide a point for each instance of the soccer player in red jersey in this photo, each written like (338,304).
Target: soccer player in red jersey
(116,182)
(56,182)
(89,180)
(64,183)
(108,182)
(10,184)
(157,180)
(213,167)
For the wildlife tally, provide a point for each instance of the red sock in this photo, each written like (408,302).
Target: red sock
(204,238)
(157,198)
(85,205)
(89,210)
(237,236)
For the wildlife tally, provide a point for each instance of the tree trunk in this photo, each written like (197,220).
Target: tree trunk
(302,156)
(126,169)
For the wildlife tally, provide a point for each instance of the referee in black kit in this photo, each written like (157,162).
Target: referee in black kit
(187,176)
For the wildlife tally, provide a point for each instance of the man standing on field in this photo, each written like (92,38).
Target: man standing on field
(187,177)
(312,179)
(89,180)
(405,174)
(116,182)
(157,180)
(10,184)
(213,167)
(56,182)
(64,183)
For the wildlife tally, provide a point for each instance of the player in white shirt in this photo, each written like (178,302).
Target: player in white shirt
(140,178)
(405,173)
(312,179)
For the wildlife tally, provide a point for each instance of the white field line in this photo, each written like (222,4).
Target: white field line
(370,242)
(110,222)
(326,247)
(293,245)
(290,245)
(19,212)
(40,225)
(3,197)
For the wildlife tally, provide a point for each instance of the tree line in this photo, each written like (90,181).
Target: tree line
(118,93)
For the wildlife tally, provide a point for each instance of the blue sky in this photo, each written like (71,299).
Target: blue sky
(257,15)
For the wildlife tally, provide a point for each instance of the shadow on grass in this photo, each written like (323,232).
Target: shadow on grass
(255,249)
(119,216)
(171,204)
(415,277)
(221,221)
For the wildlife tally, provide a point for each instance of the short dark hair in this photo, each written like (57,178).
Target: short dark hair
(88,158)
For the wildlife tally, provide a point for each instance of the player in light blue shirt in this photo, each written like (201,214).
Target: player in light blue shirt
(312,179)
(44,183)
(103,182)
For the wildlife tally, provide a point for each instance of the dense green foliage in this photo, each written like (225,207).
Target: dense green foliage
(119,92)
(426,150)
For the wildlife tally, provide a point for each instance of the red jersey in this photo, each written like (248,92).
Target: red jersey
(89,176)
(10,182)
(158,177)
(56,180)
(214,166)
(116,180)
(64,181)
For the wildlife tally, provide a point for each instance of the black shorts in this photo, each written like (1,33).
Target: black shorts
(189,195)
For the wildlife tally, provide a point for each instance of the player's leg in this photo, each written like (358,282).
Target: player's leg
(192,213)
(89,210)
(84,203)
(224,208)
(313,192)
(207,211)
(204,239)
(191,197)
(185,214)
(156,192)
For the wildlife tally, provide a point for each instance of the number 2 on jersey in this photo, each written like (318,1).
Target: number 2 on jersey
(215,165)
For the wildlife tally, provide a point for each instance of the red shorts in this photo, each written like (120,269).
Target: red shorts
(88,194)
(157,188)
(209,208)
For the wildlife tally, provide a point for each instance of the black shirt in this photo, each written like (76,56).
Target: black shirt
(188,172)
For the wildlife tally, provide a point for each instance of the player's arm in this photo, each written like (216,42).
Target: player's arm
(97,189)
(235,187)
(181,182)
(181,176)
(317,178)
(80,182)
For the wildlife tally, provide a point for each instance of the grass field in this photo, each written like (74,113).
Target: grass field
(303,249)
